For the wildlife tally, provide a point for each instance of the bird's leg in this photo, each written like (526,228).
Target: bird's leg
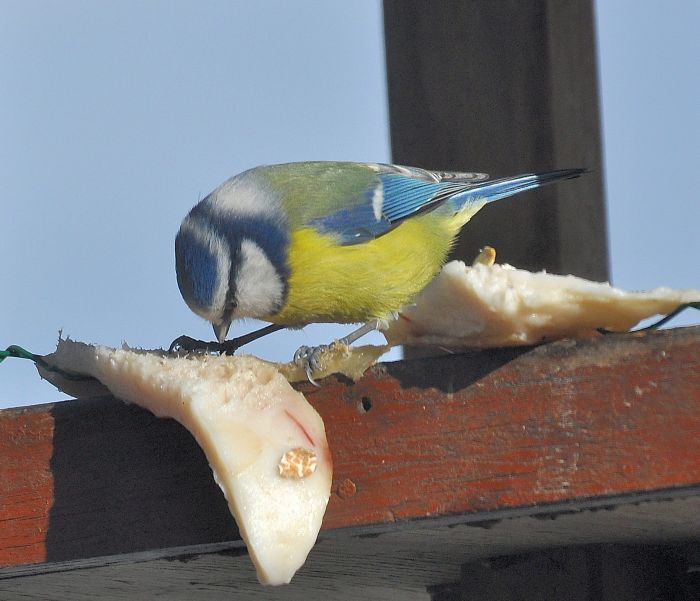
(309,357)
(229,347)
(363,330)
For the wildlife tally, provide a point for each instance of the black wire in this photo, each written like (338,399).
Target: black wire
(657,324)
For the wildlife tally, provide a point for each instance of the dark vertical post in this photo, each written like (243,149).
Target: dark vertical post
(505,87)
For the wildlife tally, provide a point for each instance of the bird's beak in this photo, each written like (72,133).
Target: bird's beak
(221,330)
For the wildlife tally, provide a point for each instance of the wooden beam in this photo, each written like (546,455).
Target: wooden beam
(453,439)
(600,572)
(505,87)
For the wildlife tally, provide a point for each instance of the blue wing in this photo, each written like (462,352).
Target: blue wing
(396,194)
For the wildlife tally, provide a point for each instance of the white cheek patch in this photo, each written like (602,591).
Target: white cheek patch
(218,248)
(259,288)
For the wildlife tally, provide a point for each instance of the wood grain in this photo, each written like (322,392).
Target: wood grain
(453,439)
(26,485)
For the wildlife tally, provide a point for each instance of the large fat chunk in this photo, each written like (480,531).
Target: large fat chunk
(489,305)
(265,444)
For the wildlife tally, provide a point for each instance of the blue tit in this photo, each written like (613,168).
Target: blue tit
(341,242)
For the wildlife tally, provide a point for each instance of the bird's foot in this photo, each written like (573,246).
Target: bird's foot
(310,359)
(184,345)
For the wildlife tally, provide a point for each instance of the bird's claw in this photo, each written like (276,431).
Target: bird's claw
(309,358)
(183,345)
(186,345)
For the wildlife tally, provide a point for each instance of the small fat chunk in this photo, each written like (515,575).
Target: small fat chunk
(351,361)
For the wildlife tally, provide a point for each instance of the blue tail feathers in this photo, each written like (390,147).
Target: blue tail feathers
(501,188)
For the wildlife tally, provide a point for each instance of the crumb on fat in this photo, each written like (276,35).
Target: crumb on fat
(298,463)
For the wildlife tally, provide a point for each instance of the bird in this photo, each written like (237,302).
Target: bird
(327,241)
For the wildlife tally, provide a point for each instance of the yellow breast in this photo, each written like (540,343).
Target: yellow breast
(346,284)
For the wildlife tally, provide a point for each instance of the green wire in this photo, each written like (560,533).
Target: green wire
(19,353)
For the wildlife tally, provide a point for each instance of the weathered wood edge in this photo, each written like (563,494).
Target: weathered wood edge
(484,519)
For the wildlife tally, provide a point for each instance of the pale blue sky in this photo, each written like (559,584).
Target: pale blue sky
(116,117)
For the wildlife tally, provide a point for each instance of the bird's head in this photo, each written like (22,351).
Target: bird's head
(231,258)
